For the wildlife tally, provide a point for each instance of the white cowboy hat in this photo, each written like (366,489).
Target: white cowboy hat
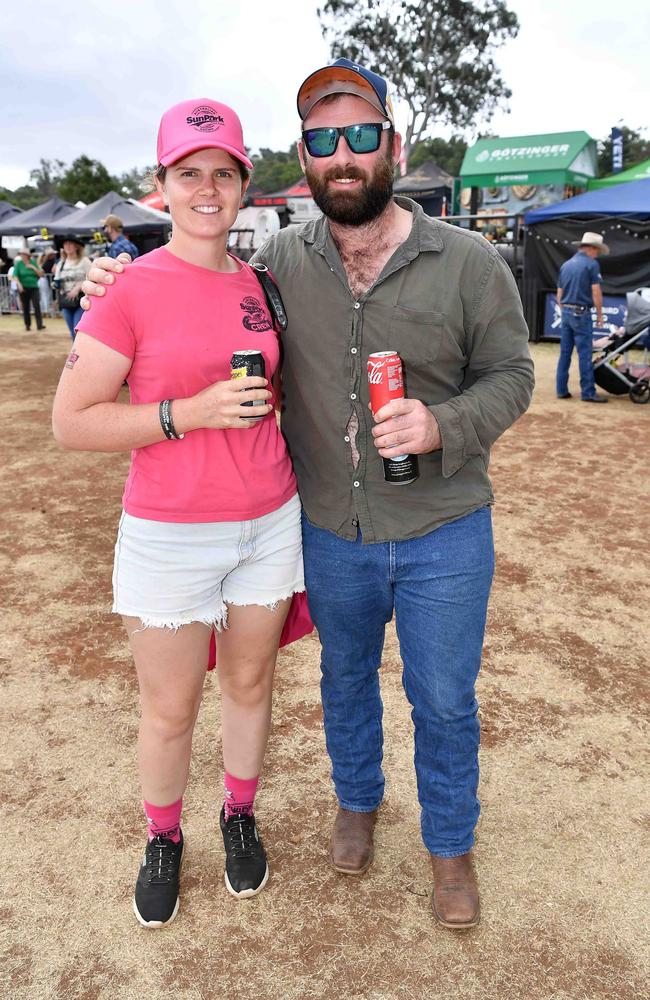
(592,240)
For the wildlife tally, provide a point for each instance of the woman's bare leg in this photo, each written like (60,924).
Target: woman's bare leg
(246,654)
(171,668)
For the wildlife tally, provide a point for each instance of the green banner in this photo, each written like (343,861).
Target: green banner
(554,158)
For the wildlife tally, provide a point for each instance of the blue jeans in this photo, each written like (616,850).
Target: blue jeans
(438,585)
(576,332)
(72,317)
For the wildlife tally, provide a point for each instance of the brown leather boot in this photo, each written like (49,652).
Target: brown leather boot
(455,892)
(351,848)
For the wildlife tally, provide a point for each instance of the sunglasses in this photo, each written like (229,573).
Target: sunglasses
(360,138)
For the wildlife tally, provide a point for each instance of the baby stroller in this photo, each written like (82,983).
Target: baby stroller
(612,371)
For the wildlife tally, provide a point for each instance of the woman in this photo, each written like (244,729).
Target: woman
(47,262)
(68,276)
(210,534)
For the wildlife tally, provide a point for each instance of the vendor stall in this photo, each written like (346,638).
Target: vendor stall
(621,213)
(35,220)
(294,204)
(146,227)
(8,211)
(512,174)
(429,186)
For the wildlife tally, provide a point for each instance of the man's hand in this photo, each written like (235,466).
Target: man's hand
(102,273)
(405,427)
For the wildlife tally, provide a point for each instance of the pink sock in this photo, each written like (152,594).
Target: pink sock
(164,821)
(239,794)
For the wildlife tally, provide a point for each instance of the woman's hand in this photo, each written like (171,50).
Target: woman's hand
(220,406)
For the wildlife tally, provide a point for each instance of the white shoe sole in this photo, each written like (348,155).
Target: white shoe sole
(154,925)
(246,893)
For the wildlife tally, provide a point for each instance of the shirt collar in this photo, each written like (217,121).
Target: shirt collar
(426,233)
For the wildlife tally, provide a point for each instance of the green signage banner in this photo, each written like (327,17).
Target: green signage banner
(554,158)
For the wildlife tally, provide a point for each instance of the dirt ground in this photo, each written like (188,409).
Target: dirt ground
(563,691)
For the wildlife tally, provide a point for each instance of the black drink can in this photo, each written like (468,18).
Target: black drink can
(245,363)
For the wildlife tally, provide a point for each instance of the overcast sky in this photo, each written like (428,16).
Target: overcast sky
(94,77)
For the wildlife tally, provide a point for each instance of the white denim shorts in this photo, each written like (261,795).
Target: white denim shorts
(170,574)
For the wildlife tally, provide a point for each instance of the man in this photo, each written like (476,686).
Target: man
(374,273)
(579,286)
(113,227)
(26,275)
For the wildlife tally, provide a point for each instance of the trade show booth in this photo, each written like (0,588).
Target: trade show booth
(144,226)
(621,213)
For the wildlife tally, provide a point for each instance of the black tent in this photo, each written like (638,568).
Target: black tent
(31,222)
(428,185)
(620,213)
(7,211)
(146,227)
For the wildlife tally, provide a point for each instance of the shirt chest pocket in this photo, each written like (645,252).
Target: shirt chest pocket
(419,336)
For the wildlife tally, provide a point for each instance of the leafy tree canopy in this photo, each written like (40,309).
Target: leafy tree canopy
(23,197)
(275,170)
(135,183)
(437,54)
(447,153)
(86,180)
(46,178)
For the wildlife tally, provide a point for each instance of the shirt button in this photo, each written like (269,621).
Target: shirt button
(357,305)
(346,438)
(356,484)
(353,395)
(353,350)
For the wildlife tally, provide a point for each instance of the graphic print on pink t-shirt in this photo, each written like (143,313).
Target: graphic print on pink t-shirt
(180,324)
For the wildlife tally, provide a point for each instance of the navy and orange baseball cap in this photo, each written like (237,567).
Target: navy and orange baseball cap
(345,77)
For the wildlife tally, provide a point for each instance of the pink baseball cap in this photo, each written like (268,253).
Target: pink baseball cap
(200,124)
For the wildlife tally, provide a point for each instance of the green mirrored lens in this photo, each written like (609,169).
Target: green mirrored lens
(363,138)
(321,141)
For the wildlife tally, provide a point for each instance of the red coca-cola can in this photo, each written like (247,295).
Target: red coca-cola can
(386,382)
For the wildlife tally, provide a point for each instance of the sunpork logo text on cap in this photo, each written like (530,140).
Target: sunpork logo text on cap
(205,119)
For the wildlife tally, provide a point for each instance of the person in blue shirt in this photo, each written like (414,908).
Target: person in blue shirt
(580,287)
(113,227)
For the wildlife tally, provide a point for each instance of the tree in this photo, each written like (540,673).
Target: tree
(447,153)
(437,54)
(636,148)
(136,182)
(23,197)
(86,180)
(275,170)
(47,177)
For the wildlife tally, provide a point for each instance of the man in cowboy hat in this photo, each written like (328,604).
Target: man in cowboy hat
(579,287)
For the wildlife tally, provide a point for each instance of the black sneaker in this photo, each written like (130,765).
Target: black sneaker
(246,868)
(156,892)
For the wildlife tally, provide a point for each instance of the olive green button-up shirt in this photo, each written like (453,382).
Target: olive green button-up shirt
(448,304)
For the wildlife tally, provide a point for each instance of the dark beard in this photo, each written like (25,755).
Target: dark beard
(358,207)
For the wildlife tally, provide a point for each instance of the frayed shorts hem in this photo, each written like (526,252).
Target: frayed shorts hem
(216,619)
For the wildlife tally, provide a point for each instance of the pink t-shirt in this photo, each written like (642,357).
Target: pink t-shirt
(180,324)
